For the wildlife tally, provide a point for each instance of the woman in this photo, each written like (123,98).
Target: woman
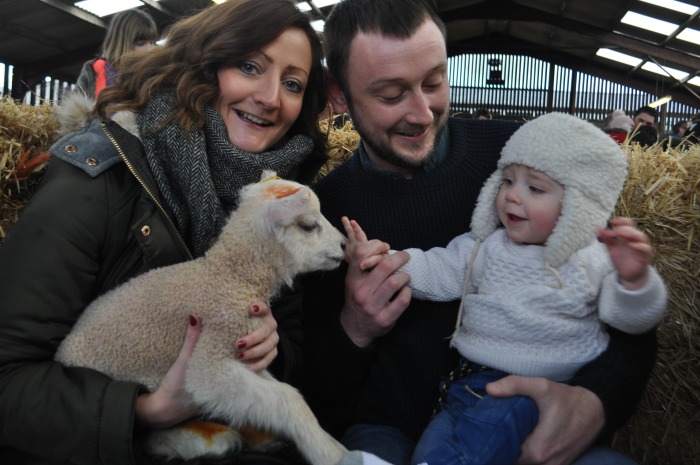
(130,30)
(235,89)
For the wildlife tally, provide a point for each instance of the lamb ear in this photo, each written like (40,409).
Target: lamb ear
(287,202)
(281,191)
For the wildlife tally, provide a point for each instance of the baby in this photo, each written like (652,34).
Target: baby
(539,276)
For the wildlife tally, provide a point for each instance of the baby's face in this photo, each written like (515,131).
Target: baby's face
(528,204)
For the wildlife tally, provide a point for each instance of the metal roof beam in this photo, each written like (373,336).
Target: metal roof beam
(515,47)
(77,12)
(161,8)
(511,11)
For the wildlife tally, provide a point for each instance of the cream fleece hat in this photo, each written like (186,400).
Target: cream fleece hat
(584,159)
(620,120)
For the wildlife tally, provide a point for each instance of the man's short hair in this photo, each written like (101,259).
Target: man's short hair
(645,109)
(391,18)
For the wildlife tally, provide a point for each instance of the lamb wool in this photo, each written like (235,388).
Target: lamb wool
(577,154)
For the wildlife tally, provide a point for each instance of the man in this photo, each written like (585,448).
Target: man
(645,116)
(374,355)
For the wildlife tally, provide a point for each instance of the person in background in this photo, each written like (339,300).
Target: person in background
(146,180)
(645,135)
(482,113)
(130,30)
(618,126)
(374,355)
(675,137)
(537,286)
(645,116)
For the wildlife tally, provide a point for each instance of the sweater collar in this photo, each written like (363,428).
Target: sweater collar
(440,152)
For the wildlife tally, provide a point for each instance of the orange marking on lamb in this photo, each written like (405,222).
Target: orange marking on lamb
(206,429)
(281,191)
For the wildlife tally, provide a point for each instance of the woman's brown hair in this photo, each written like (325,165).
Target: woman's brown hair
(194,50)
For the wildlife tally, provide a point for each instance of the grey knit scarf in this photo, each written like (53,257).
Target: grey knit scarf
(199,175)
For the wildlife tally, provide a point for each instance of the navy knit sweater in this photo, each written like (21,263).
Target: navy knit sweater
(395,381)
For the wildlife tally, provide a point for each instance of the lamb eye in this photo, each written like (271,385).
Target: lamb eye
(308,227)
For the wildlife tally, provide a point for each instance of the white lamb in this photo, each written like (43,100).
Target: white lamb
(276,233)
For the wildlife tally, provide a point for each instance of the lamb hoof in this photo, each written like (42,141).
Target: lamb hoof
(193,439)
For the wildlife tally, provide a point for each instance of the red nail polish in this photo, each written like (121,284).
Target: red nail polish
(193,320)
(239,356)
(256,309)
(240,344)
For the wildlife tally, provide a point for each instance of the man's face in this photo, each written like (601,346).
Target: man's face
(398,95)
(644,119)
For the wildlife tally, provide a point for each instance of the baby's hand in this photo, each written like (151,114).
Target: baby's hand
(359,250)
(630,252)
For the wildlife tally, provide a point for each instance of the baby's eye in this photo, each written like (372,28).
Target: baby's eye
(536,190)
(506,182)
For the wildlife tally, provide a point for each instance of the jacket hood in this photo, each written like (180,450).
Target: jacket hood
(76,110)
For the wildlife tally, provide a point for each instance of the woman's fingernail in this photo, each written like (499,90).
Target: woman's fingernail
(193,320)
(240,356)
(240,344)
(256,309)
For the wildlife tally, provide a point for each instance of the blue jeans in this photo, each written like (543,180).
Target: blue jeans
(603,456)
(392,445)
(386,442)
(473,428)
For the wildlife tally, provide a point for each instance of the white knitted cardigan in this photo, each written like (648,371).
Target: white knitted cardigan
(518,318)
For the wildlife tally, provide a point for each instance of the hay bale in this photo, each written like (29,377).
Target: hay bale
(342,142)
(662,195)
(26,133)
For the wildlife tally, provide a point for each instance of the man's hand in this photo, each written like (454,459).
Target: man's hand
(571,417)
(374,298)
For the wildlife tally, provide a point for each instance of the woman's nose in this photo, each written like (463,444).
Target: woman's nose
(268,94)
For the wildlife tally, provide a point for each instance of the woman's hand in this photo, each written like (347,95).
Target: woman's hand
(258,348)
(170,403)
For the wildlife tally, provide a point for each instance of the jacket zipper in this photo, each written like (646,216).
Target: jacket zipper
(148,191)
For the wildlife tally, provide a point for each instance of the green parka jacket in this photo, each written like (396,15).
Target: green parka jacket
(95,221)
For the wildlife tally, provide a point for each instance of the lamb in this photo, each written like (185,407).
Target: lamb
(276,233)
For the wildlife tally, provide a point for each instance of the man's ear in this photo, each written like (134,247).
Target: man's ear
(337,99)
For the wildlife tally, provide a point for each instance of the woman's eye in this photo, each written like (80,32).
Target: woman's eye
(294,86)
(248,68)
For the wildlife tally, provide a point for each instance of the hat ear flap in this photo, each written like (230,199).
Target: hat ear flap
(576,228)
(485,218)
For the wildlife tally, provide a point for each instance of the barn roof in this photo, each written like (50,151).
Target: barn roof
(53,37)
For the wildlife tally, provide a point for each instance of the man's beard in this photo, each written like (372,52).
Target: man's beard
(380,145)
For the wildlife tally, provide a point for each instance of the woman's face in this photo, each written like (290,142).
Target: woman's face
(142,45)
(260,98)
